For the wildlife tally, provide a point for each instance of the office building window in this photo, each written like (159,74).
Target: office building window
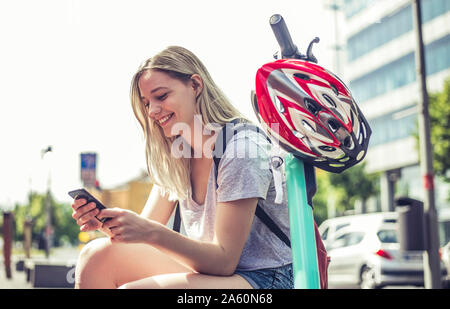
(391,27)
(401,72)
(393,126)
(353,7)
(434,8)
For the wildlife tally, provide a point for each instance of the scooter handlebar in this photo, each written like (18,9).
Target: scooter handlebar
(288,48)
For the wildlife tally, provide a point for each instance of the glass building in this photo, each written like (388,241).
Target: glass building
(380,70)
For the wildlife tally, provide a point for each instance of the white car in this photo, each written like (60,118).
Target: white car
(330,227)
(445,257)
(370,257)
(444,236)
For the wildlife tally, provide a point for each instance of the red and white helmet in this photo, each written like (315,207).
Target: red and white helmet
(318,119)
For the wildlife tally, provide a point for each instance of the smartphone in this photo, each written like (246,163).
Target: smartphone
(82,193)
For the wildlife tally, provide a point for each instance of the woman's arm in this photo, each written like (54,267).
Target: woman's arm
(218,257)
(158,206)
(221,256)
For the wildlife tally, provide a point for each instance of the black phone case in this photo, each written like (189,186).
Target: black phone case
(82,193)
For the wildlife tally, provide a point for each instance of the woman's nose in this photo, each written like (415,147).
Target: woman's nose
(155,109)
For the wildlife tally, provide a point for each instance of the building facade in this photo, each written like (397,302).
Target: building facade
(380,71)
(131,195)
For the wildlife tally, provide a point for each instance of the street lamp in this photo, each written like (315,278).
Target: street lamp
(48,219)
(432,267)
(336,6)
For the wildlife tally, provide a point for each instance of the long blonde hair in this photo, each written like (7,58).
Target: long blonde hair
(168,172)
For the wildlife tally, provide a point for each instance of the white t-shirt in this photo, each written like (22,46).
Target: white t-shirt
(244,172)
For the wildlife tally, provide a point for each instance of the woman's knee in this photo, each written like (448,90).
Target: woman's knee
(95,249)
(93,261)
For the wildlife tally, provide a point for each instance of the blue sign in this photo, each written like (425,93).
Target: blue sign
(88,161)
(88,169)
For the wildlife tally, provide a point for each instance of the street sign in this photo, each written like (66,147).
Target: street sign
(88,169)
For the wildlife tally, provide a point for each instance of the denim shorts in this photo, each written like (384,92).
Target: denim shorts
(269,278)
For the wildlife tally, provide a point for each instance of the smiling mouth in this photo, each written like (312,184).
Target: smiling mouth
(163,121)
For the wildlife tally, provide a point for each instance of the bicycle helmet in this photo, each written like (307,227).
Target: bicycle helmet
(318,119)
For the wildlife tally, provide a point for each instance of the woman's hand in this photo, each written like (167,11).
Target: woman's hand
(85,214)
(128,226)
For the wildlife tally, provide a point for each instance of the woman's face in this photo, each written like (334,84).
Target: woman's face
(168,100)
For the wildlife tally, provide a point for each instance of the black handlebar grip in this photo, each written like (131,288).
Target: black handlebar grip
(288,49)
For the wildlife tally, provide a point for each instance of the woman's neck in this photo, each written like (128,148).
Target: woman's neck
(203,145)
(201,141)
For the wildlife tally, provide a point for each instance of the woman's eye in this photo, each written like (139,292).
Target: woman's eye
(162,97)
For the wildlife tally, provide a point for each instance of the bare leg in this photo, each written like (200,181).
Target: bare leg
(189,281)
(103,264)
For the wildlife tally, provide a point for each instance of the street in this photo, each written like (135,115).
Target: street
(19,279)
(69,255)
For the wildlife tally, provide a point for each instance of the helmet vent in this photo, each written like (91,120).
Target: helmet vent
(308,126)
(362,134)
(298,134)
(344,159)
(333,87)
(312,106)
(333,125)
(364,129)
(279,105)
(347,142)
(327,148)
(329,100)
(302,76)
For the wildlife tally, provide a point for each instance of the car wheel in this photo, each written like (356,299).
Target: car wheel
(368,278)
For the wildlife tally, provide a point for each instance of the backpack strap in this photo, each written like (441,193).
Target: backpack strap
(224,137)
(177,218)
(264,217)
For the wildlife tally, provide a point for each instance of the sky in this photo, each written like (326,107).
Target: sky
(66,68)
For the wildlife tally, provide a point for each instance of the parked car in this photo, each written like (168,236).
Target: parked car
(444,236)
(330,227)
(445,257)
(368,255)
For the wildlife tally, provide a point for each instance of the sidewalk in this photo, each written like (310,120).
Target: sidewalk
(19,279)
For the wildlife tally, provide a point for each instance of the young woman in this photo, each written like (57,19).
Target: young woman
(179,106)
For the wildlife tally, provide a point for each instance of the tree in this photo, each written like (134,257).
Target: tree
(439,109)
(326,197)
(353,184)
(65,228)
(320,202)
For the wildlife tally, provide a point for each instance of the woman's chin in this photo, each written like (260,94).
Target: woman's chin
(167,128)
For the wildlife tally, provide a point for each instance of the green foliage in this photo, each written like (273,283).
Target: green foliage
(320,201)
(344,189)
(439,110)
(65,228)
(355,183)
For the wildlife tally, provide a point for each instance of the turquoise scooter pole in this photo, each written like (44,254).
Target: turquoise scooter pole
(275,83)
(301,186)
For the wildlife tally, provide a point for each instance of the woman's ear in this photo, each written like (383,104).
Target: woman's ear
(197,84)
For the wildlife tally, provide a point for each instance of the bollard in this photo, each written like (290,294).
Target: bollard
(7,241)
(410,224)
(27,236)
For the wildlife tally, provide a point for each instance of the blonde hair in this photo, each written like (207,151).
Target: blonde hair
(170,173)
